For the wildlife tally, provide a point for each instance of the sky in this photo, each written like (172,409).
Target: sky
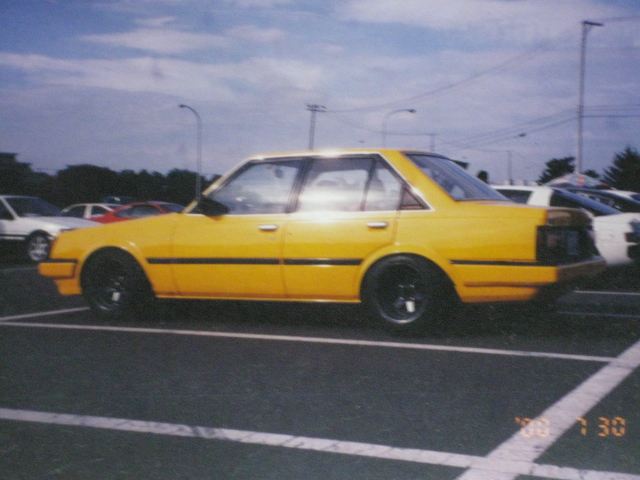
(100,81)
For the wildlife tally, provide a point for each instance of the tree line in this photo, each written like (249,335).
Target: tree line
(90,183)
(623,173)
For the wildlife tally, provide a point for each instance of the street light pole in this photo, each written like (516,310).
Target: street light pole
(586,27)
(509,168)
(199,151)
(386,119)
(314,108)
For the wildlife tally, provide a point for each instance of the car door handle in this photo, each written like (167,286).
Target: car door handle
(379,225)
(269,227)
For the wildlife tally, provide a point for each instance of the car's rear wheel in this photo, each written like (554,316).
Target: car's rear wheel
(37,247)
(115,286)
(406,294)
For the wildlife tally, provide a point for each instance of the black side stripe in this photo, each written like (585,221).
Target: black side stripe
(323,261)
(60,260)
(214,261)
(255,261)
(498,263)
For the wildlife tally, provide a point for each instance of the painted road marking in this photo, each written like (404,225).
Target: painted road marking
(18,269)
(628,316)
(561,415)
(24,316)
(318,340)
(431,457)
(606,292)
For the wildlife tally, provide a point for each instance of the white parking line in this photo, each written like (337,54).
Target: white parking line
(606,292)
(561,416)
(49,313)
(325,445)
(18,269)
(629,316)
(318,340)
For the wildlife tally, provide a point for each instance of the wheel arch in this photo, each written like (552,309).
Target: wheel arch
(434,264)
(104,251)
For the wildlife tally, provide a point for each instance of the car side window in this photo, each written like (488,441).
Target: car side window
(77,211)
(143,211)
(5,214)
(335,185)
(261,187)
(385,189)
(98,210)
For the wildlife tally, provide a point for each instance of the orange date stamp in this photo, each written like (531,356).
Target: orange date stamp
(603,427)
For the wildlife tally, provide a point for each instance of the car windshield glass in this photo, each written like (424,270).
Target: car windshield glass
(453,179)
(172,207)
(32,207)
(563,198)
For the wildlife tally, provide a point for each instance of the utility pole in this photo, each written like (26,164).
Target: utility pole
(586,26)
(314,108)
(198,150)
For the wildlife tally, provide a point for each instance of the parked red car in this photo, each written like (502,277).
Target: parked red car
(138,210)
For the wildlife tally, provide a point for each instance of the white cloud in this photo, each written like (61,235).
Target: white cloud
(255,34)
(155,22)
(259,3)
(160,40)
(209,82)
(497,20)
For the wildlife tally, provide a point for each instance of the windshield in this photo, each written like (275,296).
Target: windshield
(453,179)
(32,207)
(173,207)
(563,198)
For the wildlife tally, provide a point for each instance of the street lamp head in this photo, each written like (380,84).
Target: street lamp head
(182,105)
(411,110)
(592,24)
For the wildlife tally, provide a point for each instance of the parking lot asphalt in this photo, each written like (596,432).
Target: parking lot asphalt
(255,390)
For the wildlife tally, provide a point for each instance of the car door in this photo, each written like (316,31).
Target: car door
(238,254)
(8,224)
(345,212)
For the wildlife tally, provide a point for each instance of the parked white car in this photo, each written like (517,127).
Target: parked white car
(617,235)
(88,210)
(34,222)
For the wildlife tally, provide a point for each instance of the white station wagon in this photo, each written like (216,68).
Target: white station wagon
(34,222)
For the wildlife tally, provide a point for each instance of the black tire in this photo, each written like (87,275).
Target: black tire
(116,287)
(37,247)
(406,294)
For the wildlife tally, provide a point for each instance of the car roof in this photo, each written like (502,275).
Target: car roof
(523,187)
(333,152)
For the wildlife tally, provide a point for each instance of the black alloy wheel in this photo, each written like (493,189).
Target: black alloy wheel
(406,293)
(115,286)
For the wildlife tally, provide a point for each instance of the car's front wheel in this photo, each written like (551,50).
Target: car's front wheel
(115,286)
(37,247)
(406,294)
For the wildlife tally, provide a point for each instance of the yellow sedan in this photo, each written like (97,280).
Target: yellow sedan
(407,233)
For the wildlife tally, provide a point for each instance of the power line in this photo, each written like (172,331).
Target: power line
(500,66)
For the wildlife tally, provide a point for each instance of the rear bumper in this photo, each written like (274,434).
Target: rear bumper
(510,282)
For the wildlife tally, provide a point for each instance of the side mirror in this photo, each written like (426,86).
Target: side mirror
(211,208)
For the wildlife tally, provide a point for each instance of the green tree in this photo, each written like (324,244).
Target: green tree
(624,173)
(84,183)
(556,167)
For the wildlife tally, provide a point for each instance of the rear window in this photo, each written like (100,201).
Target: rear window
(453,179)
(518,196)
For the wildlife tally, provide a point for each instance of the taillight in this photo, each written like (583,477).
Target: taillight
(556,245)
